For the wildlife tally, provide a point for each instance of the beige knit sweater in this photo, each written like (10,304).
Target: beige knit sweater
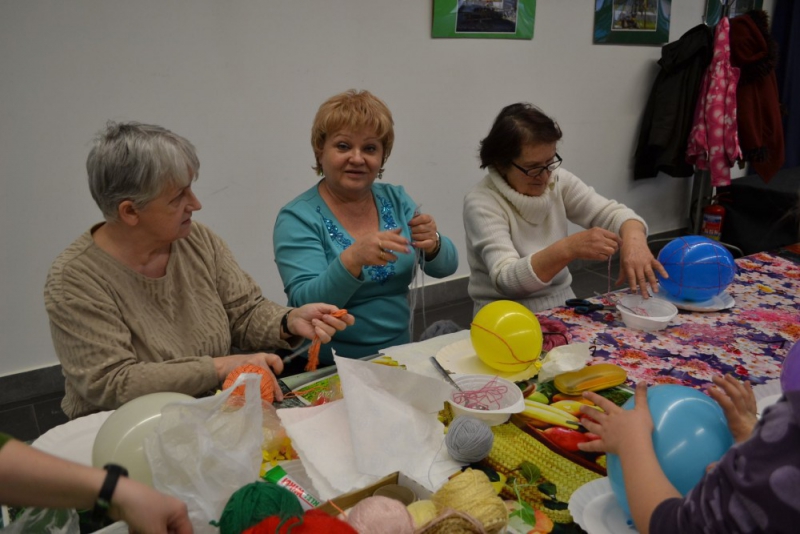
(120,334)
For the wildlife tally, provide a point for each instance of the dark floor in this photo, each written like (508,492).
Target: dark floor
(29,418)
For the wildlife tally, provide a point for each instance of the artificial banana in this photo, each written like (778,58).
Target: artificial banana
(572,407)
(550,415)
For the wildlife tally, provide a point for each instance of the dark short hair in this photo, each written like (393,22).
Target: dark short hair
(517,125)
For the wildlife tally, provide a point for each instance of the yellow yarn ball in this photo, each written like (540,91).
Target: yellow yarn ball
(422,512)
(472,493)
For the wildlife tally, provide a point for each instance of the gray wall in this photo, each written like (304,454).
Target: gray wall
(242,80)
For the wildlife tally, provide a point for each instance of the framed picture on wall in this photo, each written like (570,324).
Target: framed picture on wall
(484,19)
(737,7)
(636,22)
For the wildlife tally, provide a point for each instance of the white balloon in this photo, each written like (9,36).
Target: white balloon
(121,438)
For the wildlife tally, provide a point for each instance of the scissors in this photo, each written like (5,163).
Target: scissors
(583,306)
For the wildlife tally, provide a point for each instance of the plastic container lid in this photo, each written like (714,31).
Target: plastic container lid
(591,378)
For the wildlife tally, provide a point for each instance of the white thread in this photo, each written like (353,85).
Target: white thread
(417,286)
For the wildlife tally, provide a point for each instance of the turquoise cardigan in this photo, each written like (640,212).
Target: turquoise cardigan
(308,240)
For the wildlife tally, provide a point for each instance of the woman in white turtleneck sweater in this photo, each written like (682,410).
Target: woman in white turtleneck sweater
(518,246)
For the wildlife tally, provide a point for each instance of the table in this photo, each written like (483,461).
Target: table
(749,340)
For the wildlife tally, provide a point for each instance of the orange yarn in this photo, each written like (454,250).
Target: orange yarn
(267,385)
(313,351)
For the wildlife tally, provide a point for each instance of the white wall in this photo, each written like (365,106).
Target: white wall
(242,80)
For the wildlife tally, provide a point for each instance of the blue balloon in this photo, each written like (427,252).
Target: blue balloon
(699,268)
(690,432)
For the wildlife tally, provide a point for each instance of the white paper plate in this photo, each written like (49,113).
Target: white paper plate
(73,440)
(767,394)
(586,494)
(720,302)
(460,358)
(604,516)
(594,508)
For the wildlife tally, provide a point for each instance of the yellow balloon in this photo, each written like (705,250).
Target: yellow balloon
(506,336)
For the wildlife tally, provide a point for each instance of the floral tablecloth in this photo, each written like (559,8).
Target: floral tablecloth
(750,340)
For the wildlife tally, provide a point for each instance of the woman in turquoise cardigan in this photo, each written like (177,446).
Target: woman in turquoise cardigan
(351,241)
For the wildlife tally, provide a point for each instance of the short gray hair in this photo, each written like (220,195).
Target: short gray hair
(134,161)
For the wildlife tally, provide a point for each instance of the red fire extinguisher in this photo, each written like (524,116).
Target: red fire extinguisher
(713,215)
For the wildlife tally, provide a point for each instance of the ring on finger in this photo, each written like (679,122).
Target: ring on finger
(383,255)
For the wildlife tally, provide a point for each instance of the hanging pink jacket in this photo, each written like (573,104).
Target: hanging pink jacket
(713,140)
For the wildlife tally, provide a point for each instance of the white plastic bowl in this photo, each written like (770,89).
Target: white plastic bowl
(658,313)
(511,402)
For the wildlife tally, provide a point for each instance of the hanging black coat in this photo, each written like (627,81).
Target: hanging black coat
(670,108)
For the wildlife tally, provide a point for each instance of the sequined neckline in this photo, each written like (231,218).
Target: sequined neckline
(377,273)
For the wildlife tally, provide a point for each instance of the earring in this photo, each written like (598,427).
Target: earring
(380,174)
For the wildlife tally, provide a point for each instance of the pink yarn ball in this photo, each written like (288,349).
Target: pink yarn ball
(381,515)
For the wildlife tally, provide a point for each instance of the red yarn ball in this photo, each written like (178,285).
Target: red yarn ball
(312,522)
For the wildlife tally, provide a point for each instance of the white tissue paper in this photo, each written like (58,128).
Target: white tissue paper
(564,359)
(386,422)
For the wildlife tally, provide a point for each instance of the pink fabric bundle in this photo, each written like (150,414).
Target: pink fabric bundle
(554,333)
(714,141)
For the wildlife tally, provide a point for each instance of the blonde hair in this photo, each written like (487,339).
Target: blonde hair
(352,110)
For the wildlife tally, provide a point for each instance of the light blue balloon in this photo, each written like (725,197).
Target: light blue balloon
(690,432)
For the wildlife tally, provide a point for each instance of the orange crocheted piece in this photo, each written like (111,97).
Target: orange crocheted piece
(267,384)
(313,351)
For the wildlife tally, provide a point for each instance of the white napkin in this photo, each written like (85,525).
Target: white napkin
(321,436)
(563,359)
(387,422)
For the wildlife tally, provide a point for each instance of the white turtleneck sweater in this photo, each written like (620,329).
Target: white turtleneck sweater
(505,228)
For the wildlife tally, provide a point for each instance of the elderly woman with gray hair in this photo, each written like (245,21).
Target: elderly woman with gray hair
(151,301)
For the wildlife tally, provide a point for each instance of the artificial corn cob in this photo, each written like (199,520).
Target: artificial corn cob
(512,446)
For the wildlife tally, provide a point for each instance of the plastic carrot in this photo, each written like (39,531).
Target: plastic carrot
(313,351)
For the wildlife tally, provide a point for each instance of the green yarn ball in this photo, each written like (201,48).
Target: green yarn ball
(252,503)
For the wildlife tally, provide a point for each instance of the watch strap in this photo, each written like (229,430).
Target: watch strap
(103,502)
(285,324)
(432,254)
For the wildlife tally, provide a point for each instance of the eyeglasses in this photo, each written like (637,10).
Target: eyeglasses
(534,172)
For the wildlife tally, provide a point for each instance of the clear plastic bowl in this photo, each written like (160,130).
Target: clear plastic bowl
(646,314)
(511,402)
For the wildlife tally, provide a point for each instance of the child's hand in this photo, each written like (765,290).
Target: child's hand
(738,403)
(616,427)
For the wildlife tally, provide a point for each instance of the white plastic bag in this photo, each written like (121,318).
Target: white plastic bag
(44,521)
(205,450)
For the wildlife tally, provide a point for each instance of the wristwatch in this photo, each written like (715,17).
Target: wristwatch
(432,254)
(103,502)
(285,324)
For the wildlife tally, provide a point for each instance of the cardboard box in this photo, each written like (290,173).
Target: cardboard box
(348,500)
